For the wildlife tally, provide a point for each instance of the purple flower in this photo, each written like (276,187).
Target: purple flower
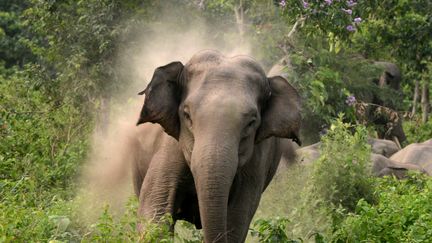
(351,28)
(350,100)
(351,3)
(329,2)
(305,4)
(357,20)
(348,11)
(282,3)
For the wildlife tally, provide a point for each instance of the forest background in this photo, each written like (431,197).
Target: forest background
(70,71)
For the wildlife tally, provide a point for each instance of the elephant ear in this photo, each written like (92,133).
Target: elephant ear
(162,99)
(281,115)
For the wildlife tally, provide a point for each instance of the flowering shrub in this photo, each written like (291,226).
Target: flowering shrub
(350,100)
(329,16)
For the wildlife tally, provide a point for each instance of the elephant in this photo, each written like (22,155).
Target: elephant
(383,166)
(389,85)
(214,126)
(390,77)
(289,155)
(382,146)
(419,154)
(389,81)
(309,154)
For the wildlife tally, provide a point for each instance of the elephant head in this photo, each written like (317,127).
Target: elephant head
(391,75)
(219,109)
(389,81)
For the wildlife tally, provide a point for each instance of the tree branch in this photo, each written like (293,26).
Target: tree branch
(295,26)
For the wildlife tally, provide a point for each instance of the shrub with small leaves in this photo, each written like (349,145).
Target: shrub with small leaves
(416,131)
(271,230)
(340,178)
(403,213)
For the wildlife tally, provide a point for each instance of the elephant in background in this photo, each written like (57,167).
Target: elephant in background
(389,84)
(419,154)
(216,143)
(383,166)
(383,147)
(391,76)
(307,155)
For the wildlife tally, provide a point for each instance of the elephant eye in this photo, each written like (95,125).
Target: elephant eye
(251,123)
(249,128)
(187,117)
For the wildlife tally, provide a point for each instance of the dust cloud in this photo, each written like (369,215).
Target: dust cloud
(106,176)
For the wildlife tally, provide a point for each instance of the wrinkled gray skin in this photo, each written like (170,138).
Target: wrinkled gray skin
(217,148)
(419,154)
(383,166)
(289,155)
(309,154)
(391,75)
(382,146)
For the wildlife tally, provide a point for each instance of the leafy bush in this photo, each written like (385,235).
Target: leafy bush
(317,197)
(339,179)
(41,139)
(341,175)
(272,230)
(403,213)
(325,80)
(125,229)
(416,131)
(42,144)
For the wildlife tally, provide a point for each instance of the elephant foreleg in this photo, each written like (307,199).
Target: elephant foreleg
(158,192)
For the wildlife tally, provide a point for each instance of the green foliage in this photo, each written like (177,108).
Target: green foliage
(13,36)
(272,230)
(392,23)
(331,18)
(41,140)
(325,80)
(341,175)
(317,197)
(388,34)
(59,62)
(130,228)
(43,143)
(416,131)
(79,45)
(125,229)
(403,213)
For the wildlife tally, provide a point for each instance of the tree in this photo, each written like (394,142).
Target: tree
(13,48)
(403,29)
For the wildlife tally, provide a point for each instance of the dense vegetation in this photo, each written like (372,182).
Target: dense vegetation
(67,66)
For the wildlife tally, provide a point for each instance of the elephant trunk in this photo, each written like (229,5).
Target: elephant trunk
(214,164)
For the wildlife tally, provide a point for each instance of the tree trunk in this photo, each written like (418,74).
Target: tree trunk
(239,14)
(201,5)
(425,101)
(415,98)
